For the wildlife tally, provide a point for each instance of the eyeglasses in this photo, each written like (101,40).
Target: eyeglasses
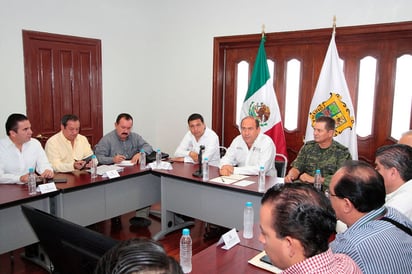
(328,194)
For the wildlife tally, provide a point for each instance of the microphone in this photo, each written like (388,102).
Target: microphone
(199,172)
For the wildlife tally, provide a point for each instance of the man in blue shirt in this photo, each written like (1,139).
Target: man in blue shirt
(122,144)
(372,240)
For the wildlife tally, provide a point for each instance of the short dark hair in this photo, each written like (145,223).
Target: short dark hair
(195,116)
(13,121)
(398,156)
(251,117)
(68,117)
(329,122)
(362,185)
(126,116)
(303,213)
(136,255)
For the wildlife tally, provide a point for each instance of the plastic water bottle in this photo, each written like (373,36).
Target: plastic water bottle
(261,179)
(318,183)
(248,221)
(93,167)
(31,183)
(186,251)
(205,169)
(142,159)
(158,158)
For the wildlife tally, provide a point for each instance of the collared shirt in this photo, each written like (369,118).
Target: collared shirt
(377,246)
(323,263)
(15,163)
(400,199)
(209,139)
(62,154)
(328,160)
(247,161)
(111,145)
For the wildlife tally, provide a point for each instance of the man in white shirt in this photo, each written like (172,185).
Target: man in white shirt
(19,152)
(67,148)
(249,151)
(198,134)
(394,163)
(406,138)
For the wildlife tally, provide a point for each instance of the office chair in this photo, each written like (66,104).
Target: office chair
(281,166)
(222,151)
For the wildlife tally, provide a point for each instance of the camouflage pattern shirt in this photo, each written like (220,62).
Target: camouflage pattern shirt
(328,160)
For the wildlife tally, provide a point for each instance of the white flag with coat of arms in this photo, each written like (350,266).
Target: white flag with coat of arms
(332,98)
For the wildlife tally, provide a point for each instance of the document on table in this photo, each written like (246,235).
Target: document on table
(257,262)
(244,183)
(101,170)
(227,180)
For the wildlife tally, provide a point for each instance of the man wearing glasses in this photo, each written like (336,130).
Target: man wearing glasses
(378,238)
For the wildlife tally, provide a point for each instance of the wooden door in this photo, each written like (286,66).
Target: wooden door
(63,76)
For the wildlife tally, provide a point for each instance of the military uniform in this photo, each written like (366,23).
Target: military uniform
(328,160)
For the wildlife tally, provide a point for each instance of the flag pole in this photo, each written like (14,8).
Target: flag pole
(263,31)
(334,24)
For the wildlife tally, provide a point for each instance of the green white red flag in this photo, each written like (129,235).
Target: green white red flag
(261,102)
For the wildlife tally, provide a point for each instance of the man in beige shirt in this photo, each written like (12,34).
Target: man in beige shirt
(67,149)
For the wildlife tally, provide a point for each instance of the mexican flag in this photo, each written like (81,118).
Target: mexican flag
(332,98)
(261,103)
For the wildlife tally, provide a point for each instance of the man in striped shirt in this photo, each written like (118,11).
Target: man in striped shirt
(378,238)
(296,222)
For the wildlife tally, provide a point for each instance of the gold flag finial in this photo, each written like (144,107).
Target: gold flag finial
(263,30)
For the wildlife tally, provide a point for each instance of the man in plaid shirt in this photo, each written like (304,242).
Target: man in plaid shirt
(296,222)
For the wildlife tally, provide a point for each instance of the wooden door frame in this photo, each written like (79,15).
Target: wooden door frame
(345,38)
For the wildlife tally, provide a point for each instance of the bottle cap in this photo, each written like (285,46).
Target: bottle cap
(249,204)
(262,168)
(158,150)
(318,171)
(185,231)
(93,156)
(205,159)
(31,170)
(142,150)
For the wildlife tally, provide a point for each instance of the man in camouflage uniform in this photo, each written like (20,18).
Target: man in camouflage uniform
(322,153)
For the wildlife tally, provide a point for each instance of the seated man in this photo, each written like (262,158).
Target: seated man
(137,256)
(322,153)
(67,148)
(198,134)
(377,238)
(119,145)
(394,163)
(249,151)
(19,152)
(296,222)
(406,138)
(188,151)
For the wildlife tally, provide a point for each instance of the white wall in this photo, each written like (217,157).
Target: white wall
(157,55)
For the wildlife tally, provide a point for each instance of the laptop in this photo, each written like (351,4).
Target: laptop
(71,248)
